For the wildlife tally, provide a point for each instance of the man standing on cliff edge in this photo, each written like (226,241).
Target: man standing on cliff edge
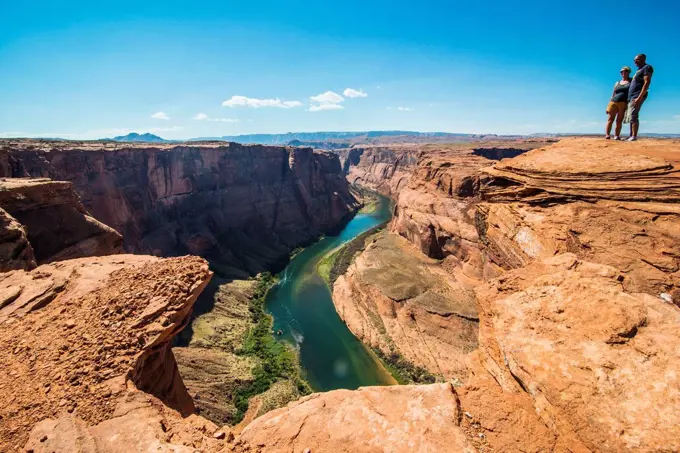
(637,93)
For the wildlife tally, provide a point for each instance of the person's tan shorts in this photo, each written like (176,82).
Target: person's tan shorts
(616,107)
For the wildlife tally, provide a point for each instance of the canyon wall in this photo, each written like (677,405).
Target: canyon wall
(577,293)
(420,307)
(242,207)
(44,221)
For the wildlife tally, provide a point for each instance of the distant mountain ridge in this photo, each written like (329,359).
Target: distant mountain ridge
(135,137)
(334,139)
(282,139)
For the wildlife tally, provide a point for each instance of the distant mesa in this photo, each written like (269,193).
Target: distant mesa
(135,137)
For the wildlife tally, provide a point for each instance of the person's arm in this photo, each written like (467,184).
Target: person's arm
(645,86)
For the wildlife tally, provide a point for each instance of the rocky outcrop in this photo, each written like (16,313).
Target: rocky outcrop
(370,420)
(15,250)
(44,221)
(579,337)
(92,330)
(242,207)
(596,363)
(435,188)
(606,203)
(405,305)
(397,300)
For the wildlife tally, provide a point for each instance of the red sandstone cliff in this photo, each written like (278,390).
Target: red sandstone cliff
(92,330)
(578,339)
(243,207)
(44,221)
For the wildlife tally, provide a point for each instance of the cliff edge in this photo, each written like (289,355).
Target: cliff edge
(243,207)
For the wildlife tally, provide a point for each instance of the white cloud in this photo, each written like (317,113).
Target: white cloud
(243,101)
(160,116)
(352,93)
(405,109)
(204,117)
(329,97)
(322,107)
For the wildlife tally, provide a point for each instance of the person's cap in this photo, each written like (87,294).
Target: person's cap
(625,68)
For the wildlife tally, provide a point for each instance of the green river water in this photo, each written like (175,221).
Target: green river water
(331,357)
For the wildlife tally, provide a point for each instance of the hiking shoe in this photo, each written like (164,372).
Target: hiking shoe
(631,139)
(617,138)
(607,137)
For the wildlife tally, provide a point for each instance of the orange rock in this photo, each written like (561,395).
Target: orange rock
(66,348)
(371,419)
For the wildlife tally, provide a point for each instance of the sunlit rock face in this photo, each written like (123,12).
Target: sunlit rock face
(243,207)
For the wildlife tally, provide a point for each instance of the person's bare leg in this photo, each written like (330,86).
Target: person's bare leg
(610,122)
(619,124)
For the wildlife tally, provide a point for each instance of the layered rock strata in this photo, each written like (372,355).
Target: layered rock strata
(243,207)
(579,338)
(404,304)
(398,300)
(606,203)
(44,221)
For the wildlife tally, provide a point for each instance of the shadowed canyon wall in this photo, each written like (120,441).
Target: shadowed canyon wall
(242,207)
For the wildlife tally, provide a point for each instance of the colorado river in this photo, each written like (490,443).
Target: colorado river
(301,304)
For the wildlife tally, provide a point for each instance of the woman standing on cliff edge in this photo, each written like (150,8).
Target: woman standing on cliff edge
(616,108)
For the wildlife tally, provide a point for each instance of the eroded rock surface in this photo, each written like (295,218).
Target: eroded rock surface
(15,250)
(243,207)
(44,221)
(598,364)
(92,330)
(607,203)
(399,301)
(579,339)
(371,419)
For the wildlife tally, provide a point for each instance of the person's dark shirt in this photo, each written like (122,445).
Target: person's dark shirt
(638,81)
(621,91)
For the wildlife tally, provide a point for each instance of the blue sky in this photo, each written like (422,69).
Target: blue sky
(181,69)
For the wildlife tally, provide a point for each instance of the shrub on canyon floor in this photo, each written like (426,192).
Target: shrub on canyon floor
(278,360)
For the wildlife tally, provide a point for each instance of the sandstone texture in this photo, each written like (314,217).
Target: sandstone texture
(579,340)
(403,303)
(435,188)
(15,250)
(78,336)
(372,419)
(242,207)
(572,258)
(607,203)
(421,307)
(598,364)
(43,221)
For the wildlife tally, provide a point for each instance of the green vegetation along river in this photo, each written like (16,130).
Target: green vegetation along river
(303,310)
